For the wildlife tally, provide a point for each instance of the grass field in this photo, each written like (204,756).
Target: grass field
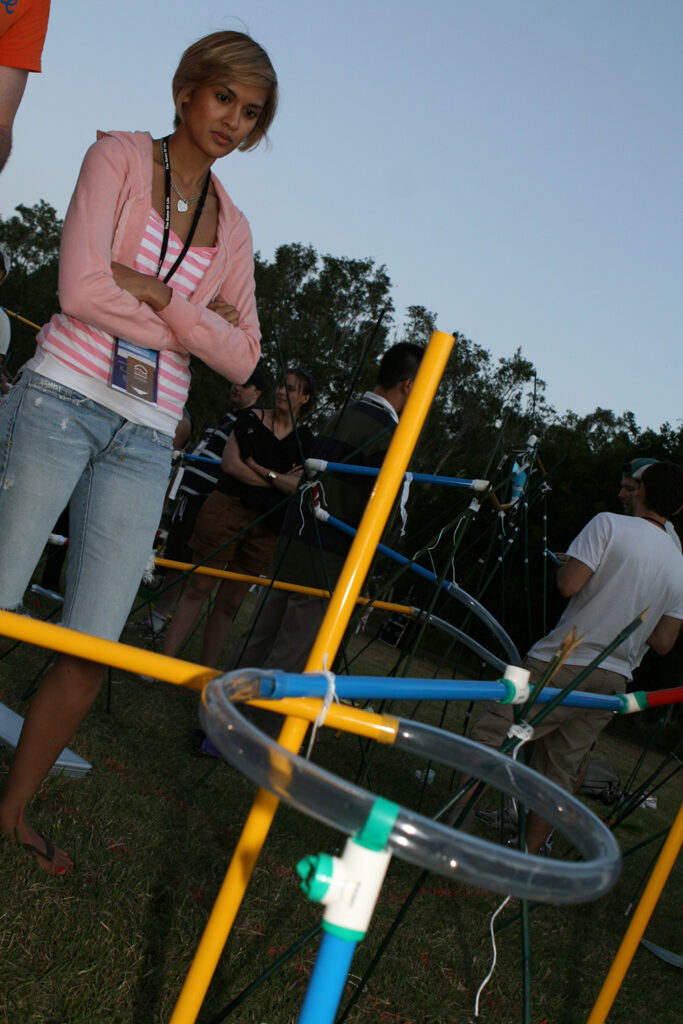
(152,829)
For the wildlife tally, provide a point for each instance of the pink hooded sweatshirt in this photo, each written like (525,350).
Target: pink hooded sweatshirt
(105,222)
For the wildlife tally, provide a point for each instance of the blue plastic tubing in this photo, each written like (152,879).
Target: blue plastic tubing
(455,591)
(279,685)
(327,982)
(419,478)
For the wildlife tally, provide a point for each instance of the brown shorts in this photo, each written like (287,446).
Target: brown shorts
(566,736)
(219,541)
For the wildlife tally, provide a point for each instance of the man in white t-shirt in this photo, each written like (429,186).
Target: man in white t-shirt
(616,568)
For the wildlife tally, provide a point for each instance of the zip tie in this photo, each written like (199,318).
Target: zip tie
(310,485)
(495,955)
(148,571)
(330,696)
(405,492)
(523,732)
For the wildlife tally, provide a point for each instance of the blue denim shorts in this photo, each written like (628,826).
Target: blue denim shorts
(58,447)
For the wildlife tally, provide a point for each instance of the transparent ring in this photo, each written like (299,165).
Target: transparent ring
(414,837)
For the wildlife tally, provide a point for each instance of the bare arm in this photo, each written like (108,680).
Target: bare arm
(12,85)
(285,482)
(664,635)
(572,576)
(232,463)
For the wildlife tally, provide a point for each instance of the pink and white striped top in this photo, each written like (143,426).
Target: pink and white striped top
(80,356)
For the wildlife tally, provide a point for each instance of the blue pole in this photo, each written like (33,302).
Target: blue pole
(422,478)
(327,982)
(283,684)
(200,458)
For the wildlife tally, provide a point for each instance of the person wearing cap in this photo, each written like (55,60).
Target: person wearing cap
(199,479)
(631,473)
(23,25)
(615,569)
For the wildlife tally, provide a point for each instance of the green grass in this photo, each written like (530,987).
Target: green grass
(152,830)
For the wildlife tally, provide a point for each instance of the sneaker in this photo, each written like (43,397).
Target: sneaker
(507,819)
(152,625)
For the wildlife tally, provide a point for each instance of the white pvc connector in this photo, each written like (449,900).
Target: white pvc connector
(630,702)
(479,485)
(313,466)
(356,882)
(519,677)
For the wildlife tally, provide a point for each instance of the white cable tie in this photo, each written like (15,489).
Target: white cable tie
(405,492)
(328,699)
(310,485)
(474,505)
(148,571)
(495,955)
(523,732)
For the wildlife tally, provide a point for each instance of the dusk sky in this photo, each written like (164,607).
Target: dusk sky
(517,166)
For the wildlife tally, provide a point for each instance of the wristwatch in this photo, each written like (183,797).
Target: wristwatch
(271,477)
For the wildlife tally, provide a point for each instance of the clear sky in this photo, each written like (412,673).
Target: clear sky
(515,164)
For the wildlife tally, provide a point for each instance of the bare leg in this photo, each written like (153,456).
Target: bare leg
(197,590)
(173,581)
(65,696)
(537,831)
(230,595)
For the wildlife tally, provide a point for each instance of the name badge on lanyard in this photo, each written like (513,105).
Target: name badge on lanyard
(134,369)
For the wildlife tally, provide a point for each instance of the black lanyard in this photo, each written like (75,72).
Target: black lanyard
(167,214)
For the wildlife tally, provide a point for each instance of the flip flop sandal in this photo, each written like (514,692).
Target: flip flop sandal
(47,854)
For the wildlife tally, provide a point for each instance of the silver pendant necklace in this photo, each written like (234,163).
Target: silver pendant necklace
(183,204)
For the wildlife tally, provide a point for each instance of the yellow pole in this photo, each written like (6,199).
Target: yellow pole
(21,318)
(261,581)
(105,652)
(331,631)
(636,929)
(381,728)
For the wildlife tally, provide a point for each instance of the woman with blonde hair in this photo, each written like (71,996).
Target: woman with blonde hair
(156,265)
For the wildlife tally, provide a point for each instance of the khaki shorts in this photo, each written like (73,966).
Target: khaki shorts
(566,737)
(223,518)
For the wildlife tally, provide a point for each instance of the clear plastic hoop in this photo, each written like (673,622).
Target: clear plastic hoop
(416,838)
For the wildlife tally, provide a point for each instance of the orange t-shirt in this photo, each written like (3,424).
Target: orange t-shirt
(23,24)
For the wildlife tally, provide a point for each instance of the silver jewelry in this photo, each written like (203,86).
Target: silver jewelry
(183,204)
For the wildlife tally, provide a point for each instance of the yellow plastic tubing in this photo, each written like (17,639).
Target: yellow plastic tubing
(634,933)
(381,728)
(324,650)
(260,581)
